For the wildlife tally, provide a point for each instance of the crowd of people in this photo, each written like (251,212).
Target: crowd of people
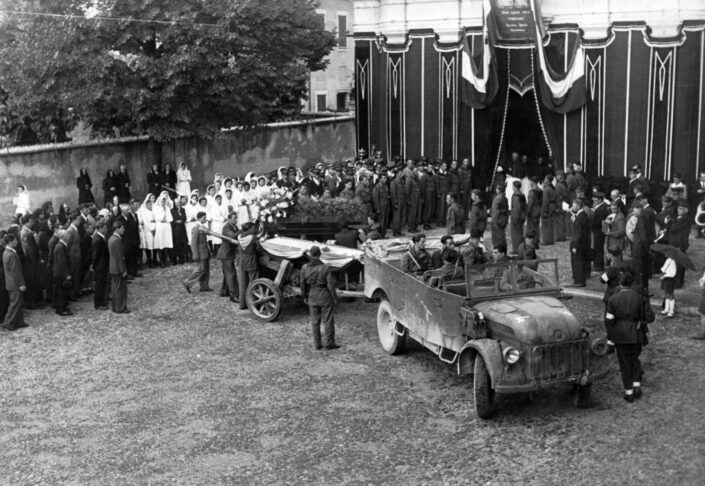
(609,224)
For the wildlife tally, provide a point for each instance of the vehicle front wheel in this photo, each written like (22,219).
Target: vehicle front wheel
(389,337)
(482,389)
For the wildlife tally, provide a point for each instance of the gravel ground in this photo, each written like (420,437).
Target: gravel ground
(189,390)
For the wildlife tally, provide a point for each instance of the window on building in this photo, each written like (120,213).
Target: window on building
(342,31)
(321,14)
(341,101)
(321,102)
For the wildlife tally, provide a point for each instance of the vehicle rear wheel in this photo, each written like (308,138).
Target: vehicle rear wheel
(390,339)
(483,393)
(264,299)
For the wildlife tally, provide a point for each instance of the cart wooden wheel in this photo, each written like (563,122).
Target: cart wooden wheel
(264,299)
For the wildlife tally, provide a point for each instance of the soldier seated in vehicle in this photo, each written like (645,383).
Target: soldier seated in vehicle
(526,278)
(416,260)
(450,270)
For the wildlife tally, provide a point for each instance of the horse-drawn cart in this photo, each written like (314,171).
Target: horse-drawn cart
(280,270)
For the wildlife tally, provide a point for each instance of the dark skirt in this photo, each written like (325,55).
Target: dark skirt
(668,285)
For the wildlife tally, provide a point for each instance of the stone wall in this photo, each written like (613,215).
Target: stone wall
(50,171)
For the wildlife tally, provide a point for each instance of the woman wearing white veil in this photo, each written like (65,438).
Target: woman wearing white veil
(183,180)
(163,239)
(191,210)
(21,201)
(148,227)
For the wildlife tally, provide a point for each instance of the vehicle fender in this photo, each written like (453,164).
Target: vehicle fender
(490,351)
(375,293)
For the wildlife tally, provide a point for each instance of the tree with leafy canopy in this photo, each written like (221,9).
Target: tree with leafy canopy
(165,68)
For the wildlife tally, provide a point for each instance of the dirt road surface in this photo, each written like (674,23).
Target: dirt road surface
(189,390)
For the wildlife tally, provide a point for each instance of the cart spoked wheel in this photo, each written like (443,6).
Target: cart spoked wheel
(264,300)
(392,336)
(482,389)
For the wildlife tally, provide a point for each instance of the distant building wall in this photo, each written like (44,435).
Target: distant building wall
(337,79)
(50,172)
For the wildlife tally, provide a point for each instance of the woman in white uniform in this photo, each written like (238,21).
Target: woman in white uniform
(163,241)
(148,227)
(183,180)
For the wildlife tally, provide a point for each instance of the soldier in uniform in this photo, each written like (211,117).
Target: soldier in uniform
(380,200)
(548,211)
(477,217)
(625,321)
(428,186)
(414,200)
(533,209)
(517,216)
(561,216)
(416,260)
(455,217)
(398,200)
(500,212)
(318,291)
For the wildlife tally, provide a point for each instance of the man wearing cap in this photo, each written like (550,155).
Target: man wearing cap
(397,194)
(580,245)
(533,209)
(415,199)
(315,185)
(318,292)
(601,211)
(517,216)
(548,211)
(381,199)
(428,186)
(455,217)
(465,174)
(499,213)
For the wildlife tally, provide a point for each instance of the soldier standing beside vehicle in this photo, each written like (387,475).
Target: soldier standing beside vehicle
(625,321)
(500,212)
(318,292)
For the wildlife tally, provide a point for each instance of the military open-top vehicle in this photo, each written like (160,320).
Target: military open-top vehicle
(504,324)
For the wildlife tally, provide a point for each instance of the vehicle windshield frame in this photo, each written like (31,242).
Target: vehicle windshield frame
(512,267)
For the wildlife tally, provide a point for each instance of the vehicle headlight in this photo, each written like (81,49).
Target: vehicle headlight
(599,346)
(511,355)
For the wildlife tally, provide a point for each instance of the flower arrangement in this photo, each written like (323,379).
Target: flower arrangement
(333,210)
(276,205)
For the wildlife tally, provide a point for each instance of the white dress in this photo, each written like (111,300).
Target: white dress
(21,202)
(191,221)
(244,211)
(148,226)
(162,236)
(219,214)
(183,182)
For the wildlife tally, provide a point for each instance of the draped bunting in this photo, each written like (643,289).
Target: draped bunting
(478,88)
(560,92)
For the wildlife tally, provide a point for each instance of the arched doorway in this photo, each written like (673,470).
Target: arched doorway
(522,133)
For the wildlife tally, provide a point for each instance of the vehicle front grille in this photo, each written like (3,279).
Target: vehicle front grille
(558,361)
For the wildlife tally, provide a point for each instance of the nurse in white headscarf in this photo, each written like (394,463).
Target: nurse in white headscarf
(148,226)
(183,180)
(21,201)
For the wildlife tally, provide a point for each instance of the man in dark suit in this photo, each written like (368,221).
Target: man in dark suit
(14,283)
(201,255)
(101,266)
(580,245)
(648,218)
(517,216)
(455,216)
(62,281)
(123,184)
(131,236)
(226,254)
(500,211)
(118,269)
(155,180)
(601,211)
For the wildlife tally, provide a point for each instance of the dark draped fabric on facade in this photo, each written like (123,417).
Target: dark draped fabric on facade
(644,103)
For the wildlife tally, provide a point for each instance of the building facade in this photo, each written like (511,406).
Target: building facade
(643,65)
(331,89)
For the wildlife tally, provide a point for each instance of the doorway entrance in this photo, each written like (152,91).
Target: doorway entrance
(522,133)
